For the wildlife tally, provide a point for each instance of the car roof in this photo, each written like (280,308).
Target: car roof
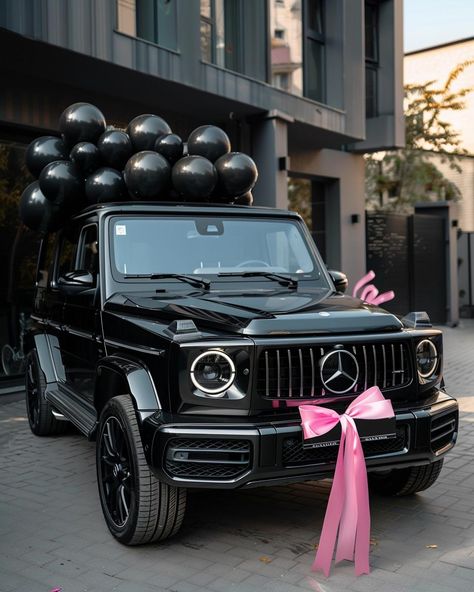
(137,207)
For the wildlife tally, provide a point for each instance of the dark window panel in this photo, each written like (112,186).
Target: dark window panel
(371,32)
(234,35)
(156,22)
(145,15)
(315,16)
(371,92)
(167,24)
(315,71)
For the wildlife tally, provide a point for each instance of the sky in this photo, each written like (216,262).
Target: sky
(433,22)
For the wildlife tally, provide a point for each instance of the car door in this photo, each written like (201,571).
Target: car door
(80,335)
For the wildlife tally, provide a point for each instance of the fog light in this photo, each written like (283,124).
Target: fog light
(213,372)
(426,358)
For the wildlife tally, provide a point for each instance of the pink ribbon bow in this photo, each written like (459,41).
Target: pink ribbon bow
(370,294)
(348,508)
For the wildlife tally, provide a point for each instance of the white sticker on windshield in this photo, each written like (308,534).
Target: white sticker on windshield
(121,230)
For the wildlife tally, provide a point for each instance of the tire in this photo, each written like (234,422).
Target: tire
(40,417)
(137,507)
(400,482)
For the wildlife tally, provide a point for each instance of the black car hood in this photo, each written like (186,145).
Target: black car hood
(280,312)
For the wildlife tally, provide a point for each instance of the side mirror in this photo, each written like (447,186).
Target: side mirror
(339,279)
(76,281)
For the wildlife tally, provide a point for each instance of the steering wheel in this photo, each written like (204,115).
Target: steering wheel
(253,263)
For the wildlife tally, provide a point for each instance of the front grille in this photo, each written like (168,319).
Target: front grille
(293,453)
(295,372)
(190,458)
(443,430)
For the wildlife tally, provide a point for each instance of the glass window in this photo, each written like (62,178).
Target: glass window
(286,22)
(207,246)
(315,16)
(371,32)
(314,54)
(19,249)
(371,58)
(153,20)
(314,67)
(233,35)
(297,47)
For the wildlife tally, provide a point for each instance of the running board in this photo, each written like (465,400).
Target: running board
(78,412)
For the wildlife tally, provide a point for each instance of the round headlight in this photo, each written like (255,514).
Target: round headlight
(213,372)
(426,358)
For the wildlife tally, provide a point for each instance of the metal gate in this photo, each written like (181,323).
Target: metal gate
(408,256)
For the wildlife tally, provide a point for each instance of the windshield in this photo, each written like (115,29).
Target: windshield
(211,246)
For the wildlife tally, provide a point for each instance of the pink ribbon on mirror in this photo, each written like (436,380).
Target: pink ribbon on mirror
(347,516)
(369,293)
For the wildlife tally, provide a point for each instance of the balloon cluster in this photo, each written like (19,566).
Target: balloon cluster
(95,163)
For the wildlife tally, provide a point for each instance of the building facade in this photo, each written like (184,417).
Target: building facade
(304,86)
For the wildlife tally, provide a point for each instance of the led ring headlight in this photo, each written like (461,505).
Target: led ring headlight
(426,358)
(213,372)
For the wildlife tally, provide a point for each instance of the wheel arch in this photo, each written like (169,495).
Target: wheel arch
(117,375)
(40,343)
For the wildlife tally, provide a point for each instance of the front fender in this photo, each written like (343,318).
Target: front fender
(118,374)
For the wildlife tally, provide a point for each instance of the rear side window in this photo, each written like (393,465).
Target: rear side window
(45,261)
(67,251)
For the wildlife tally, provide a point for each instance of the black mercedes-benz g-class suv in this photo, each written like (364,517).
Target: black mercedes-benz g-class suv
(183,337)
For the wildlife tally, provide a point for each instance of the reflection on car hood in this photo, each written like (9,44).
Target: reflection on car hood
(279,312)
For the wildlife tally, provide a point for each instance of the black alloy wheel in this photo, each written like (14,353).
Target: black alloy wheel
(116,477)
(40,417)
(407,481)
(138,508)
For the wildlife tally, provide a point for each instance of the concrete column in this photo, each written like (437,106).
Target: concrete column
(269,144)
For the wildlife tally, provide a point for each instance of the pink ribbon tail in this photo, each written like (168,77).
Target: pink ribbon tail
(385,297)
(347,518)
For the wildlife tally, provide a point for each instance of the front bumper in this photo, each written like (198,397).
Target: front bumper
(242,455)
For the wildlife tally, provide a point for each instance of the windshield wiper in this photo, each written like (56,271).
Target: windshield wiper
(283,280)
(194,281)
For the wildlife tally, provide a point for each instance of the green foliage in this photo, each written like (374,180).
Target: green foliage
(410,174)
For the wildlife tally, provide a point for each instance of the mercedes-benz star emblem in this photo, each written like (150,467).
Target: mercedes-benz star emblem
(339,371)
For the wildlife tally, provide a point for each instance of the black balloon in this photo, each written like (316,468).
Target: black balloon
(144,130)
(105,185)
(194,177)
(237,173)
(62,183)
(244,200)
(81,122)
(208,141)
(147,175)
(170,146)
(37,212)
(86,157)
(115,148)
(42,151)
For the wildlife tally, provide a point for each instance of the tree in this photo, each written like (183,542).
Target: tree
(410,174)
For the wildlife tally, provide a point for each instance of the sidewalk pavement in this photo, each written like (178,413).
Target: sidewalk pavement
(52,533)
